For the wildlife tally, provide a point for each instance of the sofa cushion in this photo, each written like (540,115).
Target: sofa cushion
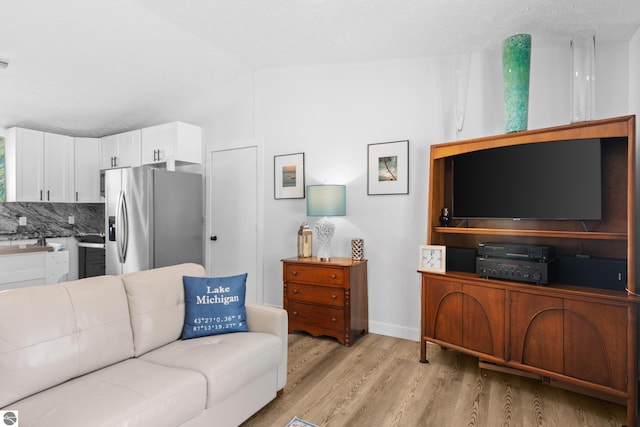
(214,305)
(156,304)
(103,323)
(129,393)
(50,334)
(229,361)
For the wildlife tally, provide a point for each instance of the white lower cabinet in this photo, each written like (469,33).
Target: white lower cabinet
(20,270)
(27,268)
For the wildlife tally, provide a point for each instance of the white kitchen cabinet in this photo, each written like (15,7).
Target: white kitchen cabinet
(38,166)
(59,170)
(87,175)
(23,265)
(23,269)
(24,165)
(56,267)
(121,150)
(174,142)
(71,246)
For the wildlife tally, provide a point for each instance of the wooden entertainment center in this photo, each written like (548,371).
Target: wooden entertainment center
(583,338)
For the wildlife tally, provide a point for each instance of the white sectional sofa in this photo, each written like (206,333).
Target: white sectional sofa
(106,351)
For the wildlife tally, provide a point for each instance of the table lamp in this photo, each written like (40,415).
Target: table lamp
(326,201)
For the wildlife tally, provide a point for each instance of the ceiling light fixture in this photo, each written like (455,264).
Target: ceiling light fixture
(4,63)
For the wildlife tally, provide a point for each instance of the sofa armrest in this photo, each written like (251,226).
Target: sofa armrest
(272,320)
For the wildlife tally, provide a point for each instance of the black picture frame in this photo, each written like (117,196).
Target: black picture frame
(288,176)
(388,168)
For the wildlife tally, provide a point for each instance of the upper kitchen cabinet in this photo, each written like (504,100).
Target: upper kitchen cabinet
(24,165)
(87,159)
(38,166)
(121,150)
(178,142)
(59,168)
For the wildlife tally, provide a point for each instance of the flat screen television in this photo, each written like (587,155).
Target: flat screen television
(559,180)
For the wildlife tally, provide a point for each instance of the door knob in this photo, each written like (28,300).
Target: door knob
(214,238)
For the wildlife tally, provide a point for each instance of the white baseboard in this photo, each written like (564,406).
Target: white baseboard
(396,331)
(387,329)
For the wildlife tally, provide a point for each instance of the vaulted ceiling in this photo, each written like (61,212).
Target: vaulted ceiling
(97,67)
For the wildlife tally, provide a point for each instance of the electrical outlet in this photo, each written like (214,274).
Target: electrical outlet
(22,220)
(72,219)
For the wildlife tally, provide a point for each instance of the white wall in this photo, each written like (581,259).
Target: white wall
(331,113)
(634,72)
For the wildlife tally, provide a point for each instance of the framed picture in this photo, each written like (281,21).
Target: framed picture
(388,168)
(288,176)
(432,258)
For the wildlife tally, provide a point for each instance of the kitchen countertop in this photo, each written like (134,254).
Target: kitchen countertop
(13,236)
(21,249)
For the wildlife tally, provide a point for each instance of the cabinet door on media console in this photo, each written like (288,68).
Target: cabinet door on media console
(536,331)
(599,331)
(443,309)
(581,339)
(466,315)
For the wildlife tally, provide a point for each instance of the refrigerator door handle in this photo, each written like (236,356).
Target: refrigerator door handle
(123,229)
(119,228)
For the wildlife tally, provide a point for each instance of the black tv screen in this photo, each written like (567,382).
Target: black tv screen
(551,180)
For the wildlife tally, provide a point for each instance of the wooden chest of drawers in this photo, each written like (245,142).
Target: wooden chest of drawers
(326,298)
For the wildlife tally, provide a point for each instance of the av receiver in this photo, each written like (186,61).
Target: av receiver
(512,250)
(540,273)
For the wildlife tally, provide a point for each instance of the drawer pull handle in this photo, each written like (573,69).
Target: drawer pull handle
(295,313)
(295,291)
(333,276)
(333,320)
(334,296)
(293,273)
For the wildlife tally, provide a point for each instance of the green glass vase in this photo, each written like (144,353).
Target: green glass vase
(516,67)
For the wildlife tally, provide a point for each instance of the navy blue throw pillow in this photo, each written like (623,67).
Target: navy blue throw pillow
(214,305)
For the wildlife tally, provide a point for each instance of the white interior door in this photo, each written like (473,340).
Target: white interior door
(233,216)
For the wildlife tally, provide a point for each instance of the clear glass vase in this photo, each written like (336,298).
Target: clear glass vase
(583,76)
(461,64)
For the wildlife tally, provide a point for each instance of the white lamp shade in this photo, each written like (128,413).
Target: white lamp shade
(326,200)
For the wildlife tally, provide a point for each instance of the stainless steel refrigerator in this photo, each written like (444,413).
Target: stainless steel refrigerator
(153,218)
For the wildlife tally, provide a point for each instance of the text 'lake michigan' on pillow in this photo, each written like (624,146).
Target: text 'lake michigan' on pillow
(214,305)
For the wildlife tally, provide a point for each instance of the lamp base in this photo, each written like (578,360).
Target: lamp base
(324,232)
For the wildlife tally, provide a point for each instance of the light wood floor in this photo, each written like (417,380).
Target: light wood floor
(379,382)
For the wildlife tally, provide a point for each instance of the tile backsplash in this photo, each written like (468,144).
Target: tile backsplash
(50,219)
